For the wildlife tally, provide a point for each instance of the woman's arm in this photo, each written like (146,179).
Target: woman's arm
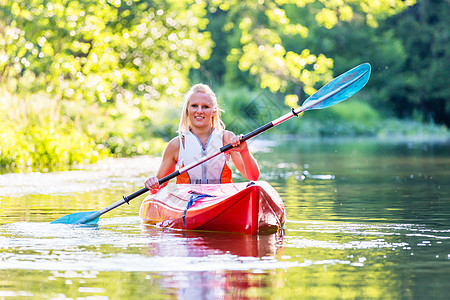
(168,165)
(241,156)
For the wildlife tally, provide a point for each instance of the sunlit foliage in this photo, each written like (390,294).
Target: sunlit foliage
(264,26)
(139,50)
(101,50)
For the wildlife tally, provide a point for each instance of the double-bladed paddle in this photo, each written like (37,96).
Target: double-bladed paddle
(335,91)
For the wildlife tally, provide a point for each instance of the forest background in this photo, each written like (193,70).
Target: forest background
(82,80)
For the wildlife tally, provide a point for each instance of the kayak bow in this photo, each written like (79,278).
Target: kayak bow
(249,208)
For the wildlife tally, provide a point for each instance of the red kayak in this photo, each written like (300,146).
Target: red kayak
(244,207)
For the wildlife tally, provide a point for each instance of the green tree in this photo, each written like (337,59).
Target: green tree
(269,39)
(424,31)
(135,50)
(104,50)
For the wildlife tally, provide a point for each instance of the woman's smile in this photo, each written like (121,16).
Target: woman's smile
(200,110)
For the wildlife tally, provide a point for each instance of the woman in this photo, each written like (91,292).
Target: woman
(202,133)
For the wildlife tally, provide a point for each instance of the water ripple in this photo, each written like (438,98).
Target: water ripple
(120,244)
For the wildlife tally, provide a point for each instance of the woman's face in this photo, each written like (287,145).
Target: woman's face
(201,110)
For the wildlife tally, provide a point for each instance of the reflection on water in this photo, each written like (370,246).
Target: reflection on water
(198,244)
(124,244)
(365,220)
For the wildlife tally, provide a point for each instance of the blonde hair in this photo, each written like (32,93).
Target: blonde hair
(185,125)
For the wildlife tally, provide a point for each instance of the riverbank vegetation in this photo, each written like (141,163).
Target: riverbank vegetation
(84,80)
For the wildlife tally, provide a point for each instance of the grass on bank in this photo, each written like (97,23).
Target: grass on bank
(42,133)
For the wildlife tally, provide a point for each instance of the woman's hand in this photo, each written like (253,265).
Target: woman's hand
(243,160)
(152,184)
(238,146)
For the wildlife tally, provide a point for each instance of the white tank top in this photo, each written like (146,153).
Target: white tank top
(211,170)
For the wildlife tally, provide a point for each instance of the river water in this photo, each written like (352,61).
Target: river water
(365,219)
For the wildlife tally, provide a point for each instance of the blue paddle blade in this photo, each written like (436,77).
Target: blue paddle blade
(340,88)
(88,218)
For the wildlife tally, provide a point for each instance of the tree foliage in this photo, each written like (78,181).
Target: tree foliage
(135,50)
(424,31)
(267,37)
(101,50)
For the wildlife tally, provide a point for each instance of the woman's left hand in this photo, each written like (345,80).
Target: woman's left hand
(237,144)
(242,158)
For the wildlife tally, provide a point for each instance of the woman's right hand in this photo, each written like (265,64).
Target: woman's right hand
(152,184)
